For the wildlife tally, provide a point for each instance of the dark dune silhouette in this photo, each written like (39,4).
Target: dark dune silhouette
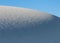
(22,25)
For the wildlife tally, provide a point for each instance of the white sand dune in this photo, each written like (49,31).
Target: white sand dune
(22,25)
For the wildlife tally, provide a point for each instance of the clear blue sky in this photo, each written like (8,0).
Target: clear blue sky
(50,6)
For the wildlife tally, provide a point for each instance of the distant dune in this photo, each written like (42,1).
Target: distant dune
(23,25)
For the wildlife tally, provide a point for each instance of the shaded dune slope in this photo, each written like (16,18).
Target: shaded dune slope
(22,25)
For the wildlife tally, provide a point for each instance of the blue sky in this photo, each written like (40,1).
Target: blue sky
(50,6)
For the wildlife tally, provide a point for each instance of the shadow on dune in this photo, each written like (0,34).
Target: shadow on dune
(34,32)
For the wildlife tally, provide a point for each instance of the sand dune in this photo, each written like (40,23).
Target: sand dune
(23,25)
